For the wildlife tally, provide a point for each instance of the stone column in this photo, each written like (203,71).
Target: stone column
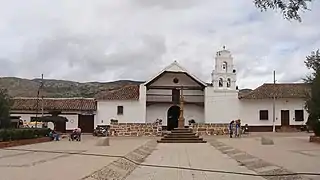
(181,118)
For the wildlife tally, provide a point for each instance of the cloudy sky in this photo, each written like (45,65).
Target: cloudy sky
(104,40)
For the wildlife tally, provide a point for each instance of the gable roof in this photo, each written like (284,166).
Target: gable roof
(130,92)
(63,104)
(176,67)
(283,90)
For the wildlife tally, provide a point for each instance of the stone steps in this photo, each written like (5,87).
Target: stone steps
(181,135)
(182,141)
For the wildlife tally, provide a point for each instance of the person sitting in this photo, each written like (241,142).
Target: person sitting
(51,135)
(55,135)
(78,131)
(76,134)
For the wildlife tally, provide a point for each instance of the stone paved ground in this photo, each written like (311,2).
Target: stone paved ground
(25,164)
(189,155)
(292,151)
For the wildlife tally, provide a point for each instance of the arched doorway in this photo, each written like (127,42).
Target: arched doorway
(173,117)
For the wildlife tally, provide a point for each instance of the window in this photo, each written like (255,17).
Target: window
(176,96)
(220,82)
(298,115)
(264,115)
(224,65)
(228,82)
(120,110)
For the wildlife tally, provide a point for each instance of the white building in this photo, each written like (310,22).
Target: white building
(80,112)
(137,107)
(217,102)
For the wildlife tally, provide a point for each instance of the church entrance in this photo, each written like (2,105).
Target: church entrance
(173,117)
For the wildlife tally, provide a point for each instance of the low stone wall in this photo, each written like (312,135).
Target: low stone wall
(23,142)
(210,129)
(134,129)
(151,129)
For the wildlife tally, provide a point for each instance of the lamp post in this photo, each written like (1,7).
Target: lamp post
(274,103)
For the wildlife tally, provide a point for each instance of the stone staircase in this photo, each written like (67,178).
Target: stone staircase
(181,135)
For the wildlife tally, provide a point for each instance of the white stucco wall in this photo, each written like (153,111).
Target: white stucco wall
(167,80)
(221,106)
(160,111)
(249,111)
(132,112)
(71,124)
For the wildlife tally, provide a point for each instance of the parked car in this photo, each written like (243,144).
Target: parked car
(101,130)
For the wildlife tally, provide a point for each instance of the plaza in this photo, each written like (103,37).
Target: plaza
(290,153)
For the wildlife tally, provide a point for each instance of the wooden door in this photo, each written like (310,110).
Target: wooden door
(285,118)
(86,123)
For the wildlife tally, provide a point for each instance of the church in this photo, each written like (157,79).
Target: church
(217,102)
(134,109)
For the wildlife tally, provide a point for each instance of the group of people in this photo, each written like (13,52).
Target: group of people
(235,128)
(75,135)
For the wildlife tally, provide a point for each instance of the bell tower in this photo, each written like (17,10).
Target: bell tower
(224,75)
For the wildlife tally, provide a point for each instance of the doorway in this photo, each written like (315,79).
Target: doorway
(173,117)
(86,123)
(285,118)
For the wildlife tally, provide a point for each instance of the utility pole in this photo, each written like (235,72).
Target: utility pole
(37,104)
(274,103)
(41,95)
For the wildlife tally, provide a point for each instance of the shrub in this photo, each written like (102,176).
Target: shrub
(18,134)
(316,128)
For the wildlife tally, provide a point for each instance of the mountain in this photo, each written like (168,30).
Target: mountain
(18,87)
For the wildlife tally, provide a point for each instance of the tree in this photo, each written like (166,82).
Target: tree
(289,8)
(5,105)
(313,97)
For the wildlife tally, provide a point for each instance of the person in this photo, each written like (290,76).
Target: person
(246,129)
(79,133)
(55,135)
(231,128)
(51,135)
(238,126)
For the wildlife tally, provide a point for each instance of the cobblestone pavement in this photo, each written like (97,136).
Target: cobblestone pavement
(201,156)
(122,167)
(68,160)
(291,151)
(257,165)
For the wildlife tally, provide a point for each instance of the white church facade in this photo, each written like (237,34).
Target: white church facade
(217,102)
(135,108)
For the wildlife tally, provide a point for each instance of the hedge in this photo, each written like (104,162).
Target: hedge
(25,133)
(316,128)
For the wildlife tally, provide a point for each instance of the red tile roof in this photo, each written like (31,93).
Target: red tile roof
(65,104)
(130,92)
(284,90)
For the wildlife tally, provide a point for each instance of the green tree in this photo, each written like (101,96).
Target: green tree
(5,105)
(313,97)
(289,8)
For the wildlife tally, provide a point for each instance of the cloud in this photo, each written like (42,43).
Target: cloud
(106,40)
